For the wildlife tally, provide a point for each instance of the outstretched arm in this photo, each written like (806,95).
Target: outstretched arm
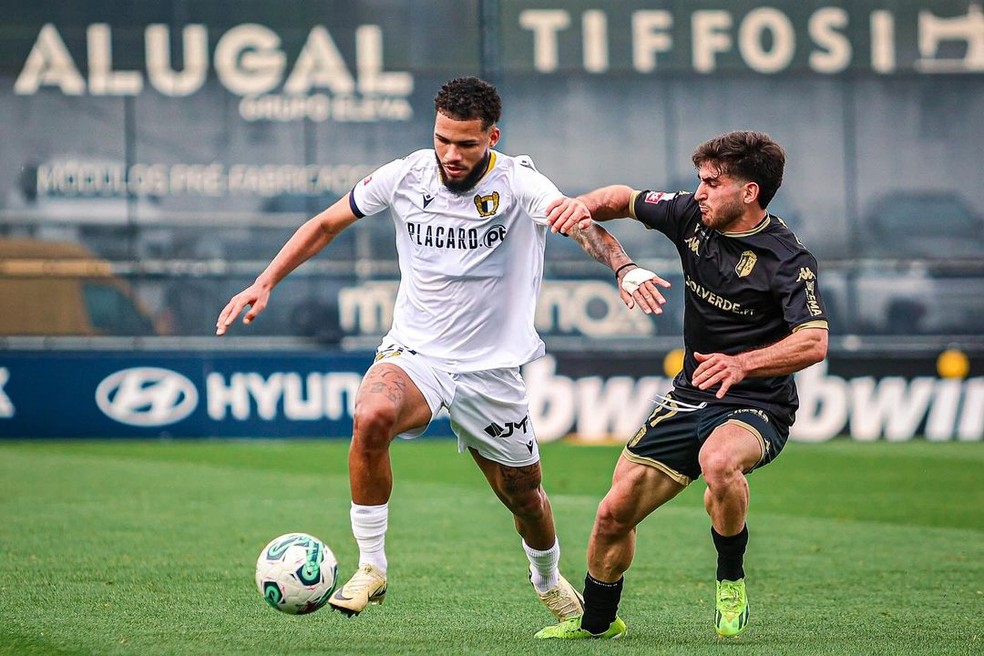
(799,350)
(305,243)
(608,203)
(602,204)
(635,285)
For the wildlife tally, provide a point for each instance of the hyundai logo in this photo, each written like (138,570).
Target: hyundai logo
(146,396)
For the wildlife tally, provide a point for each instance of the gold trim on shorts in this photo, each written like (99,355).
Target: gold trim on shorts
(763,445)
(656,464)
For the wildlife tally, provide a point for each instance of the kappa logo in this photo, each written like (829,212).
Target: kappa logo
(806,273)
(694,242)
(146,396)
(487,205)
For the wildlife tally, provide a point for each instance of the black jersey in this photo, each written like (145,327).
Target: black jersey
(743,291)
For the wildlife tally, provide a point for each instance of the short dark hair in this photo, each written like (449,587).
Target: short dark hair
(469,98)
(751,156)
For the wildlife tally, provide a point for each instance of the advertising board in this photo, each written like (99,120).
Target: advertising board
(591,397)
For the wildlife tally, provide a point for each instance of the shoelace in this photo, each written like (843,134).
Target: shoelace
(730,598)
(669,403)
(553,595)
(359,583)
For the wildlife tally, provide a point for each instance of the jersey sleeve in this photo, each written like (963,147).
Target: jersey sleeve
(374,193)
(798,289)
(665,211)
(534,190)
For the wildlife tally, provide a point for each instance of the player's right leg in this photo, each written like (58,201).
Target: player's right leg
(637,490)
(388,403)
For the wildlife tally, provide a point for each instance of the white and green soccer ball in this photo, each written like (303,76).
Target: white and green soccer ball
(296,573)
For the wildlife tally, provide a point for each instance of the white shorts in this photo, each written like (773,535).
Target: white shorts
(489,409)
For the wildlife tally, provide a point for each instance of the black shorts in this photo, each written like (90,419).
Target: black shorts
(671,438)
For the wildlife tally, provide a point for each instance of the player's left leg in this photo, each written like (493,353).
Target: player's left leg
(491,417)
(521,491)
(732,449)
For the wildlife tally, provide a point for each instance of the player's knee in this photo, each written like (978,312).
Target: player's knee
(610,524)
(372,426)
(718,465)
(530,505)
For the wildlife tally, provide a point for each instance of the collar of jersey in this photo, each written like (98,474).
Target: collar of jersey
(491,164)
(763,224)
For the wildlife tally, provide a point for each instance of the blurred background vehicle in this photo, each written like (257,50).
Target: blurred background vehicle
(62,289)
(934,225)
(916,270)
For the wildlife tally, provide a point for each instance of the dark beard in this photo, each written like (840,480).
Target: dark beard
(469,181)
(731,215)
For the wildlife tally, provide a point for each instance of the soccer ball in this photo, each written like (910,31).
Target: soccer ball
(296,573)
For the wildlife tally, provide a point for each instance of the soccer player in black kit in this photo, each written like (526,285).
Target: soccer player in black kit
(753,317)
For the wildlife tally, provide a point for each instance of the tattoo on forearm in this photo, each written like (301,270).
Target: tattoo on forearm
(597,243)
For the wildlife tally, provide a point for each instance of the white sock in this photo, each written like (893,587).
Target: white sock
(545,572)
(369,524)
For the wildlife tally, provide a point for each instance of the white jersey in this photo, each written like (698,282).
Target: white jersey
(470,263)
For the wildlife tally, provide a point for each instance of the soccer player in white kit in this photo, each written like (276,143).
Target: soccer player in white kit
(471,230)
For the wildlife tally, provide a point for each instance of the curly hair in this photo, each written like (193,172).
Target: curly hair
(469,98)
(751,156)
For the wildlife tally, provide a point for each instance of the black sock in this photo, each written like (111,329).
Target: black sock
(600,604)
(731,554)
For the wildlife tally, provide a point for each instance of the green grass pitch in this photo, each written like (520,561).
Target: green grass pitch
(149,547)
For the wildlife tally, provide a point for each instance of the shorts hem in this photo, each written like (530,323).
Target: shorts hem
(763,447)
(526,462)
(682,479)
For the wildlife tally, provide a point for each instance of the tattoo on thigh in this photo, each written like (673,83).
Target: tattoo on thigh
(520,479)
(388,383)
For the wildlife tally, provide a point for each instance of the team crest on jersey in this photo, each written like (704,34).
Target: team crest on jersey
(746,263)
(487,205)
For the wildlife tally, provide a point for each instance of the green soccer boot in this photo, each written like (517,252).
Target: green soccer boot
(570,629)
(731,612)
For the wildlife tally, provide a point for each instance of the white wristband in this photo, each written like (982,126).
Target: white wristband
(636,277)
